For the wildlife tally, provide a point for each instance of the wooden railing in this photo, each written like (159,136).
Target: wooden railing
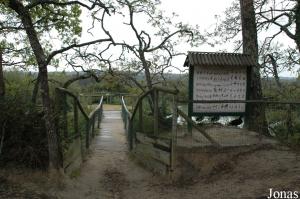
(74,127)
(126,116)
(160,149)
(62,117)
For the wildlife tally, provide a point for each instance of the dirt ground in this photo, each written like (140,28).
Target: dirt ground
(109,172)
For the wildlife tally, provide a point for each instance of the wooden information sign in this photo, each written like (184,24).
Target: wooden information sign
(219,83)
(218,76)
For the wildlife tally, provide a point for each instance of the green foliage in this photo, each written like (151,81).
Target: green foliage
(63,19)
(277,114)
(21,123)
(62,22)
(24,140)
(18,82)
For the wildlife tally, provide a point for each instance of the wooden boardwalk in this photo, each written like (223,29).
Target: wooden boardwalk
(108,171)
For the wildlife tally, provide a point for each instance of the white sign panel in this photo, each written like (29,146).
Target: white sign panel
(219,83)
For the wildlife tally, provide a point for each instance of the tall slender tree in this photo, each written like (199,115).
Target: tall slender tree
(2,84)
(26,12)
(278,28)
(297,22)
(255,115)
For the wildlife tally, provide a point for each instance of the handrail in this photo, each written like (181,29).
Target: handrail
(138,102)
(76,99)
(126,116)
(171,91)
(89,118)
(239,101)
(133,131)
(105,94)
(125,107)
(166,90)
(96,109)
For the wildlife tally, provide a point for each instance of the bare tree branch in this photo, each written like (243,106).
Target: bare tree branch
(51,55)
(68,3)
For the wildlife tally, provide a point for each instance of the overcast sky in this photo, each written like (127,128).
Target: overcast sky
(193,12)
(200,12)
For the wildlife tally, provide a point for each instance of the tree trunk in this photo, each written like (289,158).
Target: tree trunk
(148,80)
(35,90)
(147,70)
(275,71)
(297,33)
(255,116)
(53,144)
(2,83)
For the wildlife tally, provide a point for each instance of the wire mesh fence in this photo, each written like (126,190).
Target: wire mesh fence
(281,122)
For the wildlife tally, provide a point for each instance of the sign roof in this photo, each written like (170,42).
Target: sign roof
(218,59)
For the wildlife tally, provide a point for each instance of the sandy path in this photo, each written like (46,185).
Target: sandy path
(108,171)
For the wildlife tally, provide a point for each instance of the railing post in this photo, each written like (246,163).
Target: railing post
(174,132)
(93,125)
(58,123)
(76,129)
(130,134)
(58,107)
(126,122)
(87,137)
(155,129)
(141,123)
(99,115)
(289,124)
(65,114)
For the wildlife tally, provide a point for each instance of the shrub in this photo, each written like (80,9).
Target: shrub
(24,140)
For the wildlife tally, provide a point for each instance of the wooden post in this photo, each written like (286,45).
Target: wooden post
(289,125)
(141,124)
(99,117)
(174,132)
(58,124)
(65,114)
(2,83)
(76,129)
(130,134)
(93,124)
(155,115)
(87,136)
